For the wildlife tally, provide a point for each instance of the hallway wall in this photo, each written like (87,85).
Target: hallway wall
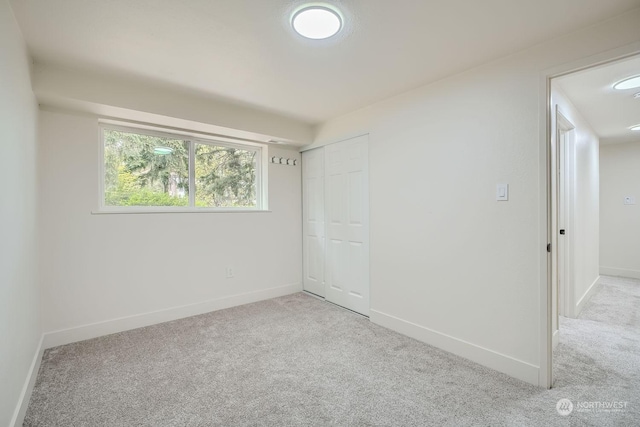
(620,223)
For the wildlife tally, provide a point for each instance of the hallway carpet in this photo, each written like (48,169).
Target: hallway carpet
(296,360)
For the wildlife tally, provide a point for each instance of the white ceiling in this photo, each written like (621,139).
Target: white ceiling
(610,112)
(246,51)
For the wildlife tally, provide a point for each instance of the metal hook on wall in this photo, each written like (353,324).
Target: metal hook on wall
(283,161)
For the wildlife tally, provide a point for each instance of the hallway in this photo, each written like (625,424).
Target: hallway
(598,358)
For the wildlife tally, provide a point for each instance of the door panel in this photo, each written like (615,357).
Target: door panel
(337,262)
(313,221)
(314,256)
(347,207)
(355,205)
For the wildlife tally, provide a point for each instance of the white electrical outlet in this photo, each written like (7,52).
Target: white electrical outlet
(230,274)
(629,200)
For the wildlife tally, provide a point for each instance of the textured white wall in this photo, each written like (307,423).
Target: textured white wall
(445,256)
(19,301)
(620,224)
(102,267)
(586,225)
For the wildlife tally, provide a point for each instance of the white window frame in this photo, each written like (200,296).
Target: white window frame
(192,138)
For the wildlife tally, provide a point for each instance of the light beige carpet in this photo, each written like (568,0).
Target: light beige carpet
(296,360)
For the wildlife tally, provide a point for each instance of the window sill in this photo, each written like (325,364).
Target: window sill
(136,211)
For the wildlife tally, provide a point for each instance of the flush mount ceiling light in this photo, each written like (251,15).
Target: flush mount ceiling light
(636,127)
(630,83)
(316,22)
(162,151)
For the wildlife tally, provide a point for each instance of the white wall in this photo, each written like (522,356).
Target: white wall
(619,223)
(97,268)
(113,95)
(585,228)
(449,264)
(19,302)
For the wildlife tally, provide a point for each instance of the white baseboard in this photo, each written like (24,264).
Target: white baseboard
(508,365)
(30,382)
(555,339)
(619,272)
(585,298)
(94,330)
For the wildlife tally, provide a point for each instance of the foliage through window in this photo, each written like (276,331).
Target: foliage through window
(147,169)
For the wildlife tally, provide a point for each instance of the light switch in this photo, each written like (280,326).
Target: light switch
(629,200)
(502,192)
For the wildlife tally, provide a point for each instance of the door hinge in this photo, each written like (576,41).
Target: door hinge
(549,247)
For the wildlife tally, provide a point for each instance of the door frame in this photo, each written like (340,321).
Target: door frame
(565,209)
(562,206)
(545,377)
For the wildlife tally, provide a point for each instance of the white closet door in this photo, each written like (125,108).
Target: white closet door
(313,221)
(347,224)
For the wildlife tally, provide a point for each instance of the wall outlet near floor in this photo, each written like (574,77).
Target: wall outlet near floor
(230,273)
(629,200)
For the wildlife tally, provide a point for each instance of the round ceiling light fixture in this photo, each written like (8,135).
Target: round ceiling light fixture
(629,83)
(636,127)
(317,22)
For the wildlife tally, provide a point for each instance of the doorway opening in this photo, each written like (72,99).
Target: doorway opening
(590,209)
(563,181)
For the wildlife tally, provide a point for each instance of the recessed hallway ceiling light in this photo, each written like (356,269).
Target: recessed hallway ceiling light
(636,127)
(316,22)
(630,83)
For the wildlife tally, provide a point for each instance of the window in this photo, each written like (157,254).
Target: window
(155,171)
